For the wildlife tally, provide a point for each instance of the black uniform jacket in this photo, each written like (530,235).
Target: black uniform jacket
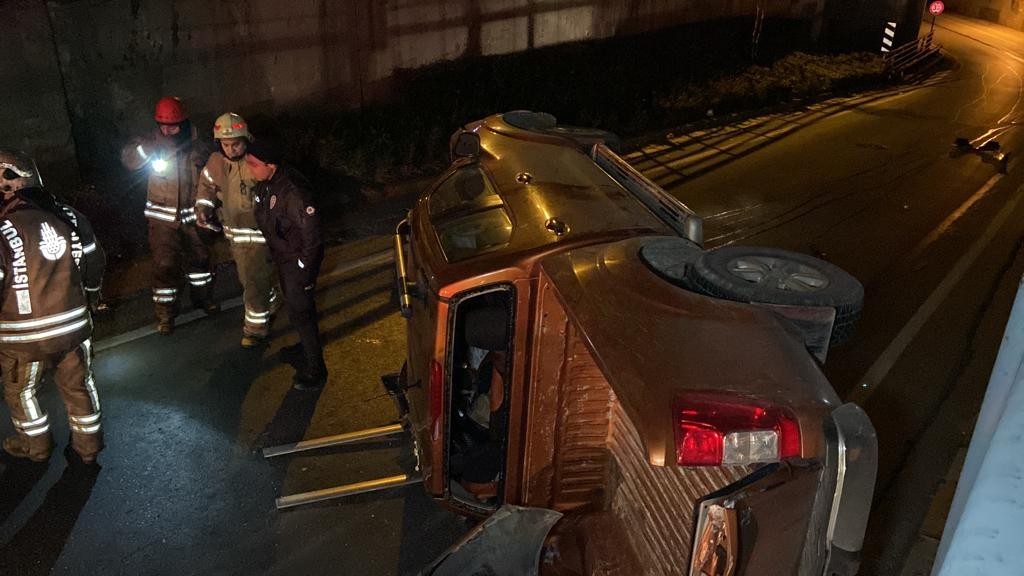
(290,221)
(45,252)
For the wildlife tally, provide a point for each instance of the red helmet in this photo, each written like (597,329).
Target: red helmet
(170,110)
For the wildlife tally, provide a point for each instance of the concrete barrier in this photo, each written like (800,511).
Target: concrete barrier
(985,525)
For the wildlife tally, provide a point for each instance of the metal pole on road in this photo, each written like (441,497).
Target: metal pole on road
(337,440)
(346,490)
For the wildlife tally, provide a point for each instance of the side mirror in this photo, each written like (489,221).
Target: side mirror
(465,145)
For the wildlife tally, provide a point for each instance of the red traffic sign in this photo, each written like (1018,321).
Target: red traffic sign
(935,8)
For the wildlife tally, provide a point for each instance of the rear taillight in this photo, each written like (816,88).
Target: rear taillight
(712,430)
(436,397)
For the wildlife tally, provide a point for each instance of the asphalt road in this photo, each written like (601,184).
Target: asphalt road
(869,184)
(184,488)
(866,182)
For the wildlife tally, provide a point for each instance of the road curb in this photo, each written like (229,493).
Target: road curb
(380,257)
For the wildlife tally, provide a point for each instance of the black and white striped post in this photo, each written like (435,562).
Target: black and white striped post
(888,36)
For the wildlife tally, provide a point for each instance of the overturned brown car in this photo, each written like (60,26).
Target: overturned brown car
(572,348)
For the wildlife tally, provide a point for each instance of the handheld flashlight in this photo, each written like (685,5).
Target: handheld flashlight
(159,165)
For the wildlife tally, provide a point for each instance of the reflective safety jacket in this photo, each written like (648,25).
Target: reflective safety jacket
(290,222)
(43,259)
(228,186)
(88,254)
(173,172)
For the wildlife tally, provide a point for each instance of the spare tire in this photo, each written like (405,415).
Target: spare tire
(774,276)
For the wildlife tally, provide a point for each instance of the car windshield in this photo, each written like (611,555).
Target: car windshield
(468,215)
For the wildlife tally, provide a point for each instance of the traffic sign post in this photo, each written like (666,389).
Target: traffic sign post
(935,8)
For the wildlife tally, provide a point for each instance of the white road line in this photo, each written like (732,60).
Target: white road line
(952,218)
(874,376)
(344,268)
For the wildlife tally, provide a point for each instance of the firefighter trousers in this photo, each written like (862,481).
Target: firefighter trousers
(256,274)
(72,372)
(170,246)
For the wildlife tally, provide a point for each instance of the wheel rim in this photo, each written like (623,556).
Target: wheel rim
(778,273)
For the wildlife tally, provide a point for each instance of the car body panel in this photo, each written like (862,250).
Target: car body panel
(654,340)
(600,349)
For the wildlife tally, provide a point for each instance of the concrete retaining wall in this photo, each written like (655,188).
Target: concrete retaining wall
(119,56)
(1005,12)
(33,115)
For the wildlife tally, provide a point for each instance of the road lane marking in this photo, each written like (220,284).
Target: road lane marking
(952,218)
(114,341)
(877,372)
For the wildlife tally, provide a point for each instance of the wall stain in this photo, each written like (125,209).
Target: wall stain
(175,18)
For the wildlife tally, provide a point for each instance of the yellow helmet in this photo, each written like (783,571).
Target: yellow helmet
(231,125)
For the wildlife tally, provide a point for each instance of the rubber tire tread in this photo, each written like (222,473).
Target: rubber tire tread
(845,293)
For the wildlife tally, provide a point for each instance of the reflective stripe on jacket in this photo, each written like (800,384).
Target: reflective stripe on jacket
(86,250)
(43,309)
(227,185)
(244,235)
(170,194)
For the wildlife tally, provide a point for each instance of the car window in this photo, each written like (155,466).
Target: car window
(465,190)
(468,215)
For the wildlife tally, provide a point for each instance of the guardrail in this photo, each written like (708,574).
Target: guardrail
(909,55)
(985,526)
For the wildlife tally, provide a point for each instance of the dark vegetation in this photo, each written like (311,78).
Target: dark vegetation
(630,85)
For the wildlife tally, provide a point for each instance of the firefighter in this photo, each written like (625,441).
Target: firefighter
(290,222)
(51,267)
(226,187)
(174,157)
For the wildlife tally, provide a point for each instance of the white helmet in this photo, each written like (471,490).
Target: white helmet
(231,125)
(17,171)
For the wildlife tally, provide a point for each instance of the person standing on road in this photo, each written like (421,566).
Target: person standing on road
(290,222)
(51,268)
(172,153)
(227,186)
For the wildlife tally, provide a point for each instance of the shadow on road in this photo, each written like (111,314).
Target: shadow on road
(17,480)
(35,548)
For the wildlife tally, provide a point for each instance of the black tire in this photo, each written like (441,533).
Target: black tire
(773,276)
(671,258)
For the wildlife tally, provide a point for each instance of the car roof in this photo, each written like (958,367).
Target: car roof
(540,177)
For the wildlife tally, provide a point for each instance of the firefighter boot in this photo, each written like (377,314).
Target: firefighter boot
(208,306)
(252,340)
(83,448)
(165,326)
(165,314)
(35,448)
